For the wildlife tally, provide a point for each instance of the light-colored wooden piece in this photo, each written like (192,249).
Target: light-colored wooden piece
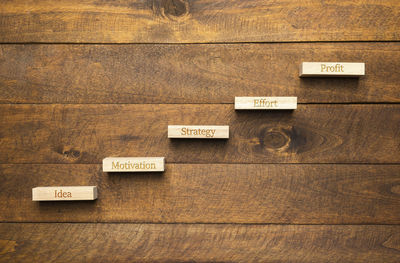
(198,131)
(133,164)
(332,69)
(265,103)
(64,193)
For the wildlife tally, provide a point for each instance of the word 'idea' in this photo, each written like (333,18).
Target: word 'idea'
(64,193)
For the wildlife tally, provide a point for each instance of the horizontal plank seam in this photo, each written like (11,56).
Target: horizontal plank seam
(197,43)
(166,163)
(205,103)
(198,223)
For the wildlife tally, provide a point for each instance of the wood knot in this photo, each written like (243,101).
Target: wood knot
(175,10)
(68,153)
(72,154)
(275,139)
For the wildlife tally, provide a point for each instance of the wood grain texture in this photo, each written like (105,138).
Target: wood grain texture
(209,193)
(319,184)
(198,243)
(183,21)
(310,134)
(192,73)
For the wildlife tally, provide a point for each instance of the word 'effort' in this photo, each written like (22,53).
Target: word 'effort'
(265,103)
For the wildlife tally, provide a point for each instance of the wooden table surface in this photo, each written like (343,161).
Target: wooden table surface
(81,80)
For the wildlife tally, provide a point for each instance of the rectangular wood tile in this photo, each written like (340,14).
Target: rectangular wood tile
(265,103)
(64,193)
(198,131)
(133,164)
(332,69)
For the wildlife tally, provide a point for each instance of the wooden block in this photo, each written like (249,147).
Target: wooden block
(198,132)
(265,103)
(64,193)
(133,164)
(332,69)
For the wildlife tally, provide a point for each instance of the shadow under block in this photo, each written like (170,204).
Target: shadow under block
(64,193)
(198,132)
(133,164)
(332,69)
(265,103)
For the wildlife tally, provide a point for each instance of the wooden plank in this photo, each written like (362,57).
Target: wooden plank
(133,164)
(198,131)
(310,134)
(192,73)
(64,193)
(265,103)
(332,69)
(209,193)
(198,243)
(182,21)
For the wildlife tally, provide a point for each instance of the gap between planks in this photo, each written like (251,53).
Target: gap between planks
(176,163)
(197,43)
(200,103)
(192,223)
